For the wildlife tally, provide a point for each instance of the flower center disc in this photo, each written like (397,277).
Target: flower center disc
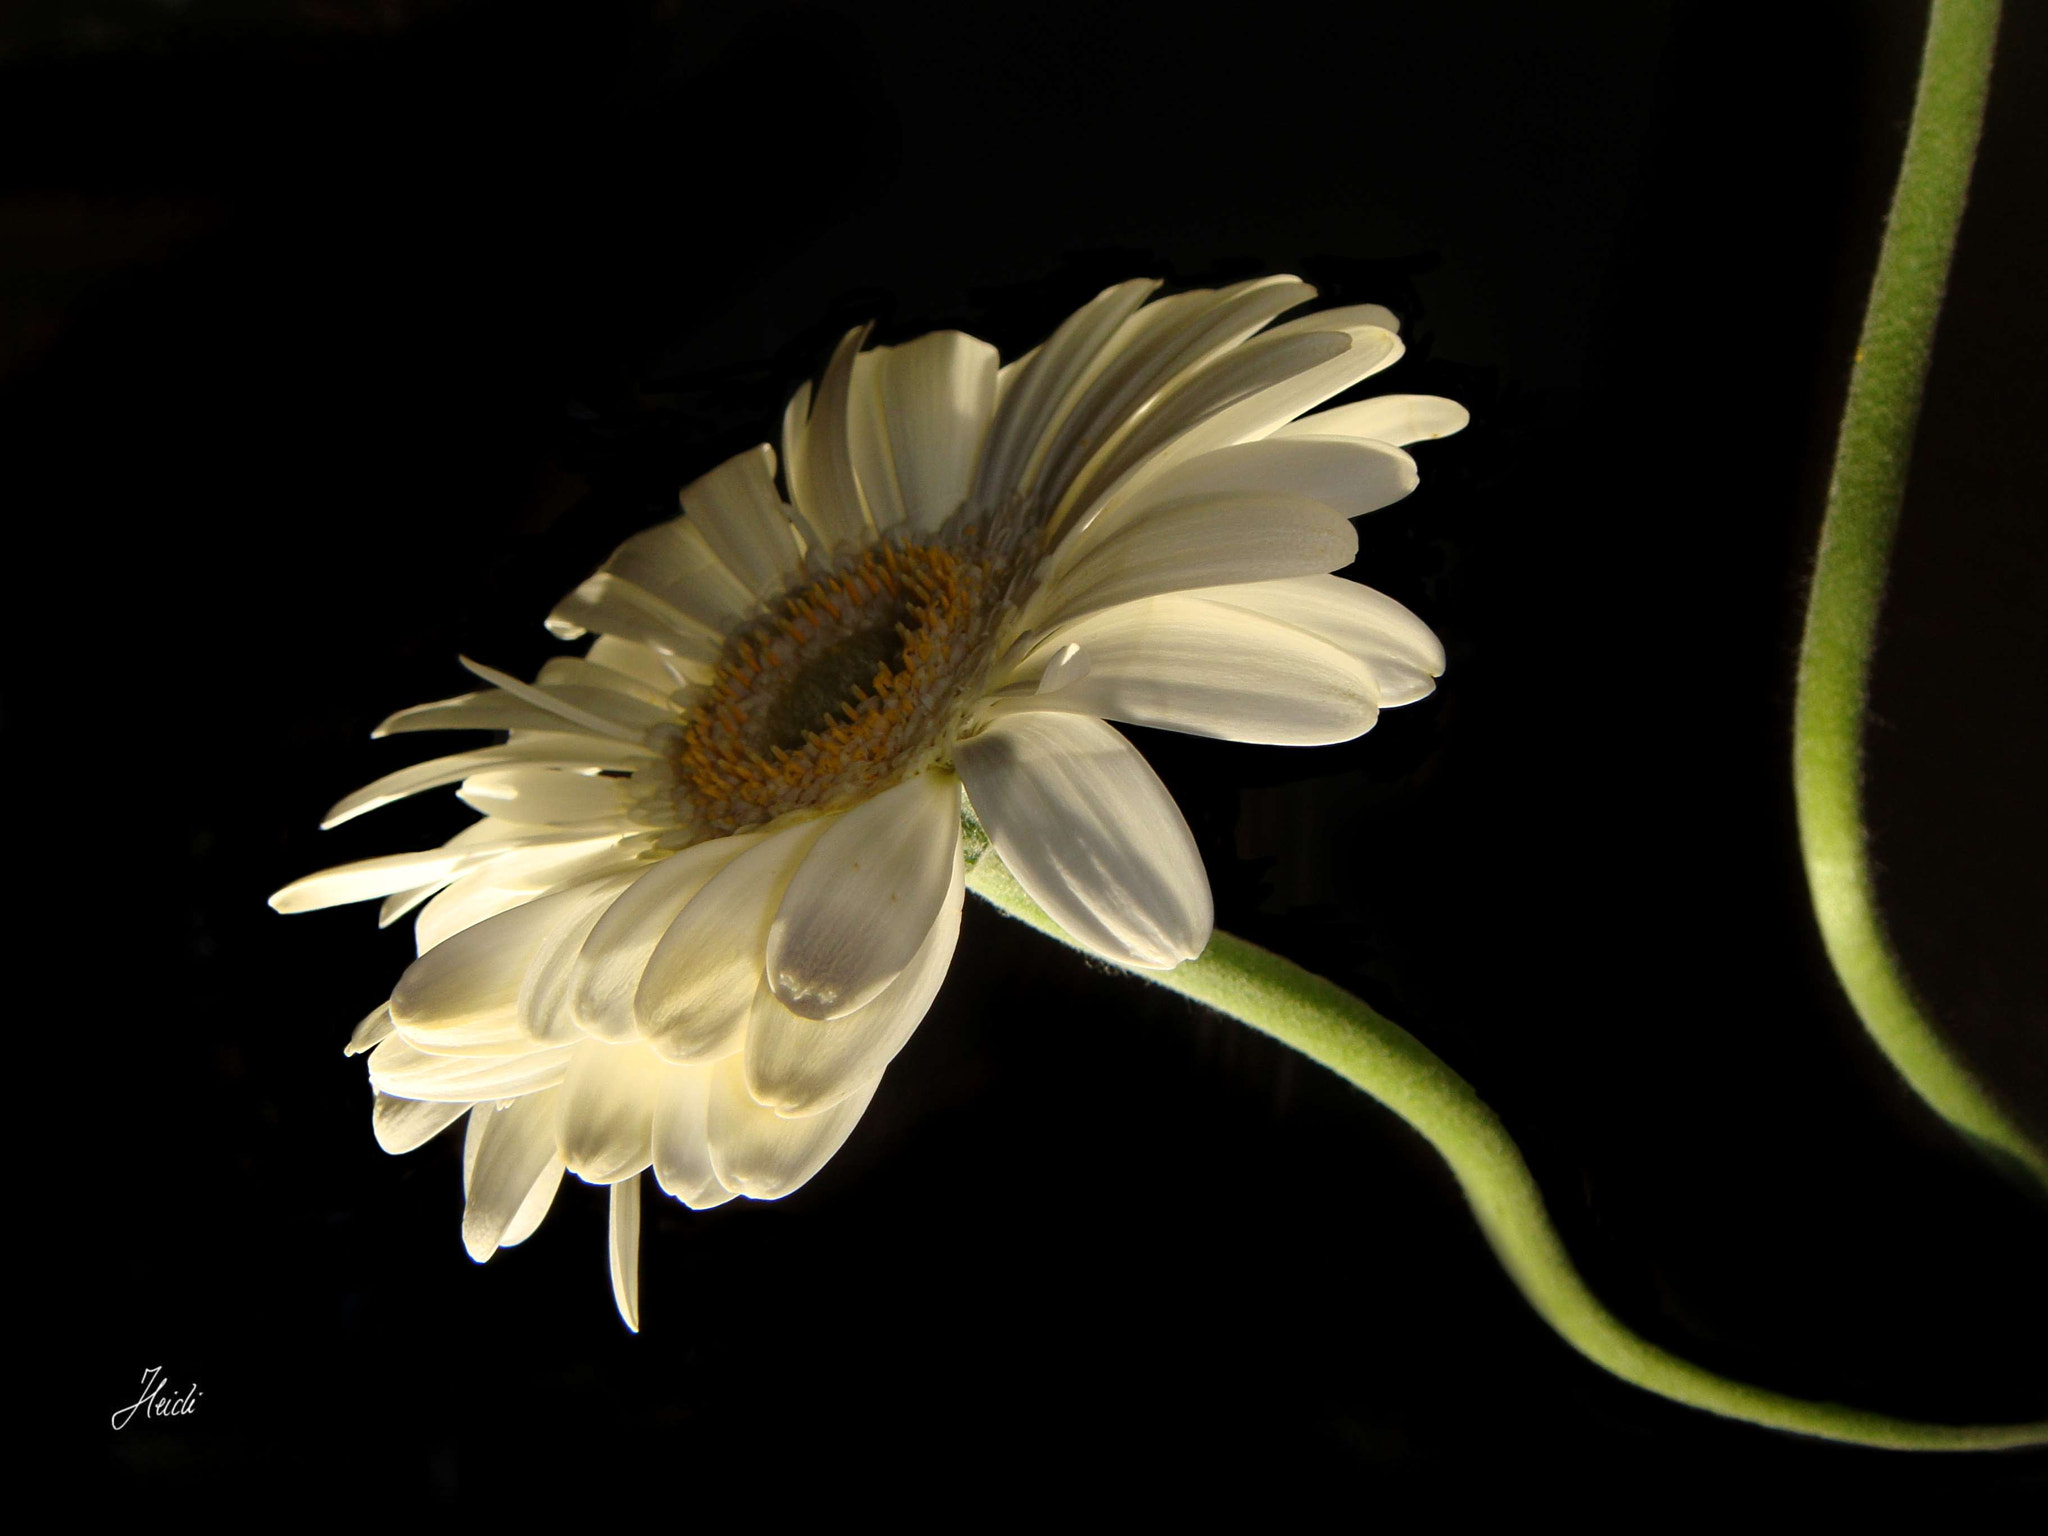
(844,688)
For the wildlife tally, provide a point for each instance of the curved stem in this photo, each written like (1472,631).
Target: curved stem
(1330,1026)
(1856,536)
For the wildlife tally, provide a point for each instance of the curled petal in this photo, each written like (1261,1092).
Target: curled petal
(403,1124)
(468,987)
(865,897)
(799,1066)
(605,1111)
(614,955)
(763,1155)
(1087,828)
(682,1137)
(699,984)
(513,1157)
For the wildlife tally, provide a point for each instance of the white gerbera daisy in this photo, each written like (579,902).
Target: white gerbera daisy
(719,873)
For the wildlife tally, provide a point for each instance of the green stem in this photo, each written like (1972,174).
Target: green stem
(1864,499)
(1330,1026)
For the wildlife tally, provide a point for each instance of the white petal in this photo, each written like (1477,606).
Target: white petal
(865,898)
(541,747)
(515,1154)
(874,460)
(1064,663)
(1040,390)
(1007,375)
(605,1111)
(1351,475)
(799,1066)
(513,878)
(473,1140)
(763,1155)
(675,564)
(554,701)
(491,709)
(1087,828)
(402,1070)
(398,903)
(795,416)
(1196,334)
(482,832)
(1202,541)
(1182,664)
(615,607)
(699,985)
(1347,475)
(1401,650)
(1239,374)
(396,872)
(1257,414)
(821,472)
(480,1123)
(549,796)
(742,518)
(1396,419)
(938,394)
(608,695)
(534,1210)
(1242,397)
(543,1005)
(1401,683)
(1346,317)
(615,954)
(375,1027)
(611,657)
(400,1125)
(625,1249)
(682,1131)
(539,1199)
(466,990)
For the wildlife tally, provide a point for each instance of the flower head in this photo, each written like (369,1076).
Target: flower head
(719,871)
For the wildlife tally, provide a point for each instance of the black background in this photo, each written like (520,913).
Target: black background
(343,337)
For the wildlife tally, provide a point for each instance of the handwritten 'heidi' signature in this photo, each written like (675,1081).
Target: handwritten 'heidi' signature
(154,1404)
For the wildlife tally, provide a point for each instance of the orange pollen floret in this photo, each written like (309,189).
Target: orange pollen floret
(846,686)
